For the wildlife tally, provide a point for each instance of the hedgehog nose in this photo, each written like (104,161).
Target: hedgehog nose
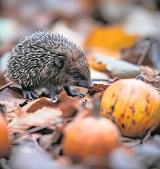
(85,83)
(90,84)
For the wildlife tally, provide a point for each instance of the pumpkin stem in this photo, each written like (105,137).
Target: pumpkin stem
(96,107)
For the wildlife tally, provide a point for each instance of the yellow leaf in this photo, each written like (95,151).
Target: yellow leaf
(111,38)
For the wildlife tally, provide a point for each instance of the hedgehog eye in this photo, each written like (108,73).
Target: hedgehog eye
(77,75)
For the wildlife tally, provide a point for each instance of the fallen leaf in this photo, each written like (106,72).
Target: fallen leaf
(156,82)
(96,65)
(11,110)
(11,94)
(97,88)
(43,116)
(142,78)
(149,73)
(146,78)
(118,68)
(38,104)
(68,105)
(113,38)
(139,53)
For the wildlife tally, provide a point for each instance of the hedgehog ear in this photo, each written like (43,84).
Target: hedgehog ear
(59,61)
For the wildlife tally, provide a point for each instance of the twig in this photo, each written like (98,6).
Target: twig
(144,52)
(35,129)
(105,80)
(6,85)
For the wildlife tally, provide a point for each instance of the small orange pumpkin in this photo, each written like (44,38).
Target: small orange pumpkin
(90,136)
(133,105)
(4,136)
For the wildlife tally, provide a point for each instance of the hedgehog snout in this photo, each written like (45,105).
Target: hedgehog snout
(85,83)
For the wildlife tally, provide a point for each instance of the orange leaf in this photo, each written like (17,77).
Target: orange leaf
(113,38)
(96,65)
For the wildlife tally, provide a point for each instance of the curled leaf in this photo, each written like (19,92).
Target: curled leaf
(118,68)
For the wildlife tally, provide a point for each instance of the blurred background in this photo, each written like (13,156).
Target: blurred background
(118,28)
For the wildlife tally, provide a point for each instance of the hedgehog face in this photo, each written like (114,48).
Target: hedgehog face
(76,79)
(78,73)
(80,80)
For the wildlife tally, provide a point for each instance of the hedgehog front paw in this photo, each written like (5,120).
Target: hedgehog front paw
(54,96)
(71,93)
(29,94)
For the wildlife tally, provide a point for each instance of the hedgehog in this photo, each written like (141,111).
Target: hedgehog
(48,60)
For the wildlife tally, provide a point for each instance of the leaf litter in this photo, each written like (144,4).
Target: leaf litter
(49,119)
(37,127)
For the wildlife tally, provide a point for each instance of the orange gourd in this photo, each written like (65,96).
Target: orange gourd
(90,135)
(133,105)
(4,136)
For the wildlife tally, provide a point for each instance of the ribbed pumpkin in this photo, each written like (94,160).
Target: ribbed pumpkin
(4,136)
(90,136)
(133,105)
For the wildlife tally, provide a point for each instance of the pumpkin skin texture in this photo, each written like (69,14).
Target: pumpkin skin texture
(90,136)
(133,105)
(4,136)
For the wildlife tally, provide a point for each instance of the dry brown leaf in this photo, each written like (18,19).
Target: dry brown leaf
(43,116)
(139,53)
(11,94)
(68,105)
(97,88)
(37,104)
(148,73)
(156,82)
(150,76)
(65,103)
(11,110)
